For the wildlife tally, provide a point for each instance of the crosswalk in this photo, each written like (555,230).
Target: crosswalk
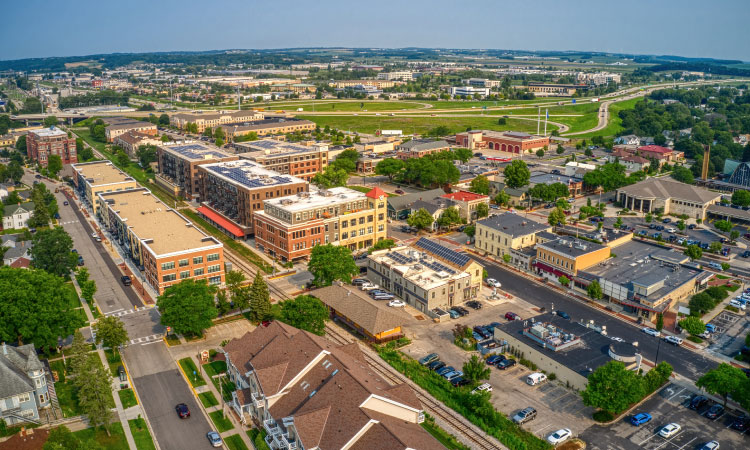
(68,222)
(147,339)
(123,312)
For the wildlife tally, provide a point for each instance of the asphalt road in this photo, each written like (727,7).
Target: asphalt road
(160,387)
(685,362)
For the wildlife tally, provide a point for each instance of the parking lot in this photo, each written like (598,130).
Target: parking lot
(668,406)
(557,407)
(730,333)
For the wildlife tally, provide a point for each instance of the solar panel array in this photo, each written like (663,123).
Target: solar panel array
(196,151)
(249,179)
(437,267)
(401,259)
(445,253)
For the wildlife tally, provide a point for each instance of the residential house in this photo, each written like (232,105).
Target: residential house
(628,139)
(467,203)
(16,248)
(17,216)
(23,384)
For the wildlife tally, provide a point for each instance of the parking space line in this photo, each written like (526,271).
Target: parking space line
(668,441)
(673,395)
(688,443)
(647,439)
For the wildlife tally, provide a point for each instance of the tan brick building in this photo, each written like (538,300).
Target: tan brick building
(121,127)
(303,161)
(566,256)
(205,120)
(131,140)
(268,127)
(178,164)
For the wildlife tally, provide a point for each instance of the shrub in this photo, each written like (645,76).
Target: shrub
(695,339)
(552,376)
(603,416)
(732,308)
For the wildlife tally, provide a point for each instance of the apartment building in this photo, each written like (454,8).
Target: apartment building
(553,90)
(40,144)
(94,177)
(483,82)
(289,227)
(179,161)
(401,75)
(566,256)
(598,78)
(376,145)
(417,148)
(303,161)
(232,191)
(269,127)
(131,140)
(120,127)
(23,384)
(165,245)
(205,120)
(426,275)
(497,235)
(307,392)
(504,141)
(467,203)
(380,84)
(469,91)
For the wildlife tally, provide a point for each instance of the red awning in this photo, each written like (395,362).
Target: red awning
(221,221)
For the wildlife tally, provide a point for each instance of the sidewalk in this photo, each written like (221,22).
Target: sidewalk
(118,404)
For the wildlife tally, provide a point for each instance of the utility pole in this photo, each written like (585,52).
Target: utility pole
(538,119)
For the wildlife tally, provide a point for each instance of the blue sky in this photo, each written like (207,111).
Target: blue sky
(38,28)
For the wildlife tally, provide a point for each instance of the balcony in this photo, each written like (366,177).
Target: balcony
(276,438)
(258,399)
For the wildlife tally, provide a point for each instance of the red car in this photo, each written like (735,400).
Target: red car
(511,316)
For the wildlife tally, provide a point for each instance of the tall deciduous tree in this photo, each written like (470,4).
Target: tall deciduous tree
(188,306)
(475,369)
(594,290)
(449,217)
(463,154)
(693,252)
(329,263)
(61,438)
(480,185)
(692,325)
(725,380)
(306,313)
(111,332)
(54,165)
(517,174)
(613,388)
(52,251)
(556,216)
(483,210)
(420,219)
(260,300)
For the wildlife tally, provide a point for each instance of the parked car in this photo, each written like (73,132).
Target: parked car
(481,332)
(741,423)
(396,303)
(80,260)
(697,402)
(559,436)
(652,332)
(126,281)
(435,365)
(65,203)
(491,282)
(182,411)
(445,370)
(711,328)
(511,316)
(461,309)
(691,226)
(454,374)
(453,314)
(745,254)
(428,359)
(715,411)
(214,438)
(399,191)
(674,340)
(494,359)
(666,220)
(474,304)
(459,381)
(458,311)
(359,281)
(672,230)
(506,363)
(563,314)
(96,237)
(536,378)
(711,445)
(525,415)
(484,387)
(670,430)
(640,418)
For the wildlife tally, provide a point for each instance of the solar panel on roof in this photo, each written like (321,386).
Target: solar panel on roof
(443,252)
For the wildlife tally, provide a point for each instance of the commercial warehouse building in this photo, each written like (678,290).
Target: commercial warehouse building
(417,148)
(232,191)
(165,245)
(289,227)
(94,177)
(303,161)
(178,165)
(504,141)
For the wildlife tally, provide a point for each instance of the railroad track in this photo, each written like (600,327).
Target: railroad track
(252,270)
(449,418)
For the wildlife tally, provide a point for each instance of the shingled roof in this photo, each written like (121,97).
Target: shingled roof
(373,316)
(15,363)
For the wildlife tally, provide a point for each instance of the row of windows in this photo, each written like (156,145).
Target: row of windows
(557,261)
(184,262)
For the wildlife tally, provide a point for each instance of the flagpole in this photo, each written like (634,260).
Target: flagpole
(538,119)
(545,121)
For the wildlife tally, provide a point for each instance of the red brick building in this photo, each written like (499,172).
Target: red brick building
(40,144)
(504,141)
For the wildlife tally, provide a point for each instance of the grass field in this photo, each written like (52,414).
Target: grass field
(127,397)
(222,423)
(208,399)
(341,105)
(191,371)
(235,442)
(409,125)
(141,435)
(116,441)
(615,123)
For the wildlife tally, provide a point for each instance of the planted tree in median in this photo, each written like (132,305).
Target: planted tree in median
(304,312)
(188,306)
(613,388)
(329,263)
(693,252)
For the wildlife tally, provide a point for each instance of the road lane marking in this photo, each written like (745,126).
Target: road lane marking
(675,394)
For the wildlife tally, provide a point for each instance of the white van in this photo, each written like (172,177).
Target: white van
(536,378)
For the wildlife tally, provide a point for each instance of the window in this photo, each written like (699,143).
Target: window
(361,220)
(380,216)
(184,262)
(167,265)
(214,280)
(344,235)
(184,274)
(213,257)
(212,269)
(369,230)
(381,227)
(197,272)
(170,277)
(198,260)
(23,398)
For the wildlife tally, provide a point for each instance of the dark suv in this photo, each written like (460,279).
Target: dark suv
(525,415)
(506,363)
(715,411)
(126,281)
(698,402)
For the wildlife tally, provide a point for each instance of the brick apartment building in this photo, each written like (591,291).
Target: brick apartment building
(131,140)
(232,191)
(164,244)
(178,164)
(504,141)
(91,178)
(289,227)
(119,126)
(268,127)
(40,144)
(285,157)
(205,120)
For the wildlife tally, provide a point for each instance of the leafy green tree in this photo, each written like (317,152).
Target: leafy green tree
(540,153)
(556,216)
(61,438)
(389,167)
(470,230)
(122,159)
(714,247)
(502,198)
(449,217)
(693,252)
(701,303)
(480,185)
(331,177)
(88,289)
(304,312)
(681,225)
(54,165)
(21,144)
(188,306)
(463,154)
(235,279)
(733,235)
(164,119)
(260,300)
(146,154)
(725,266)
(659,322)
(79,353)
(95,394)
(565,281)
(483,210)
(649,218)
(692,325)
(219,134)
(222,303)
(682,174)
(35,307)
(329,263)
(111,332)
(517,174)
(595,290)
(618,222)
(724,225)
(50,121)
(382,245)
(560,149)
(475,370)
(52,251)
(725,380)
(741,197)
(219,142)
(613,388)
(420,219)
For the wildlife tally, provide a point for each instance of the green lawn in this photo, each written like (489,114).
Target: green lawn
(615,123)
(114,360)
(141,434)
(191,371)
(257,436)
(339,105)
(116,441)
(66,395)
(222,423)
(173,340)
(235,442)
(215,368)
(409,125)
(208,399)
(127,397)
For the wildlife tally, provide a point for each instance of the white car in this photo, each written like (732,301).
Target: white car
(713,445)
(652,332)
(491,282)
(673,340)
(617,339)
(368,286)
(559,436)
(484,387)
(670,430)
(672,230)
(396,303)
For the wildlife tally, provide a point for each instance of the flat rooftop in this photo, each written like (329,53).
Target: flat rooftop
(316,199)
(100,173)
(166,230)
(249,174)
(274,148)
(267,123)
(571,247)
(196,151)
(549,178)
(49,132)
(417,266)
